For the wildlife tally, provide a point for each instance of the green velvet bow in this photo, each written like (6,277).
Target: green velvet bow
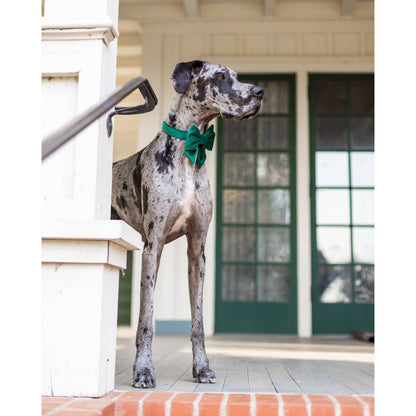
(195,144)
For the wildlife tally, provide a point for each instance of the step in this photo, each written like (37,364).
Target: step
(154,403)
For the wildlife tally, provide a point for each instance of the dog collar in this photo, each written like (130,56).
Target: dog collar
(195,142)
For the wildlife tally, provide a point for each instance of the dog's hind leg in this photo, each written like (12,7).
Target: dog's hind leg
(196,272)
(143,370)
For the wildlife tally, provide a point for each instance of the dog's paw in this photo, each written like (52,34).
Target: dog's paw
(204,375)
(144,378)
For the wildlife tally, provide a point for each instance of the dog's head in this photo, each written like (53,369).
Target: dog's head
(217,89)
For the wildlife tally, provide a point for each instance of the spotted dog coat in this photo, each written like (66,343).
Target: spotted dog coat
(161,194)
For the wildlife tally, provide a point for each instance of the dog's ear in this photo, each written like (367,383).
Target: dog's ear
(183,73)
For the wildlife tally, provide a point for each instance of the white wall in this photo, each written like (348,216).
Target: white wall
(295,44)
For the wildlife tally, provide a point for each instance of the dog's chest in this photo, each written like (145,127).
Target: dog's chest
(187,203)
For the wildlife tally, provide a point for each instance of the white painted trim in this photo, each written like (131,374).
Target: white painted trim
(272,65)
(59,29)
(270,8)
(129,26)
(303,207)
(191,8)
(116,231)
(84,252)
(348,7)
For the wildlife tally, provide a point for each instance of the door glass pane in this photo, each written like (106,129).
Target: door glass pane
(276,96)
(273,133)
(364,284)
(273,244)
(273,283)
(332,206)
(239,135)
(273,169)
(331,96)
(273,206)
(332,169)
(238,283)
(238,206)
(238,243)
(335,284)
(362,133)
(362,96)
(334,244)
(239,169)
(362,168)
(363,241)
(331,133)
(363,206)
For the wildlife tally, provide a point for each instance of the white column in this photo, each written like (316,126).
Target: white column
(303,206)
(82,249)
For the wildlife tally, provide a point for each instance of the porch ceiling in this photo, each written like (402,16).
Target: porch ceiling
(192,8)
(134,13)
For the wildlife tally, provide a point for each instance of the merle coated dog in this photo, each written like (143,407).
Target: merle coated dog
(163,192)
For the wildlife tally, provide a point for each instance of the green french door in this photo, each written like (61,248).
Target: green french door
(256,215)
(342,199)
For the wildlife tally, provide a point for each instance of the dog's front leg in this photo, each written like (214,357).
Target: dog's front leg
(196,272)
(143,370)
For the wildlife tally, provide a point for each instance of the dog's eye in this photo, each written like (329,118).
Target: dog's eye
(220,77)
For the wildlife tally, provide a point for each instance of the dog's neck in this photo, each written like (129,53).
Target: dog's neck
(186,111)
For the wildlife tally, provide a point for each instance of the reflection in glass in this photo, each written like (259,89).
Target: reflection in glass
(273,244)
(238,206)
(362,168)
(238,283)
(332,206)
(333,244)
(273,283)
(362,133)
(331,133)
(238,243)
(363,206)
(364,284)
(332,169)
(335,284)
(273,169)
(239,135)
(362,96)
(273,133)
(363,243)
(276,96)
(331,96)
(273,206)
(239,169)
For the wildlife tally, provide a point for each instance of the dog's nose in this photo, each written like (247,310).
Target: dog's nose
(258,92)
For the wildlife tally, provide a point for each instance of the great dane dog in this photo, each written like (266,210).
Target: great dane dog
(163,192)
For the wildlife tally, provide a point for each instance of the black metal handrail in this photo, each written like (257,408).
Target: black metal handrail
(57,139)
